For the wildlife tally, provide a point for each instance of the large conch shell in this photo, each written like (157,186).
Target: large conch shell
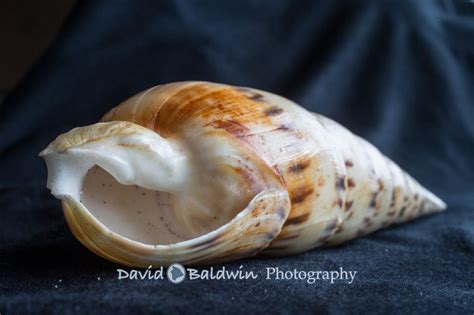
(199,173)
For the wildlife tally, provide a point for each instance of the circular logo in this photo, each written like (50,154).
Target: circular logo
(176,273)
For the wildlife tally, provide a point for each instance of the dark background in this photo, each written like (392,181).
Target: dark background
(398,73)
(26,29)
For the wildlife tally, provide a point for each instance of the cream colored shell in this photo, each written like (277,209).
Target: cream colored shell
(236,172)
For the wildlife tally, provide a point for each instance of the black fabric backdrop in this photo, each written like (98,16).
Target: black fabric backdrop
(399,73)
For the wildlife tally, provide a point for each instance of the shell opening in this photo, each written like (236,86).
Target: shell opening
(137,198)
(144,215)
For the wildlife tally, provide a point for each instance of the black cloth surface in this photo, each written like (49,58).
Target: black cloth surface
(398,73)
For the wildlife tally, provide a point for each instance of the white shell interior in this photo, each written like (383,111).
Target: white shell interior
(131,211)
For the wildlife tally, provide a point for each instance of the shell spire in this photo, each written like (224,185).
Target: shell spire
(199,173)
(378,192)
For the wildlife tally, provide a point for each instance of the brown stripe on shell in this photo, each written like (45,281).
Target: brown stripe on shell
(283,127)
(349,163)
(254,96)
(341,183)
(350,183)
(373,200)
(380,184)
(232,127)
(187,103)
(298,220)
(348,205)
(299,166)
(289,237)
(273,111)
(402,211)
(300,194)
(209,103)
(250,94)
(394,196)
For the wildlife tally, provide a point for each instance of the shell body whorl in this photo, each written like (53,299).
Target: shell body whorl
(326,185)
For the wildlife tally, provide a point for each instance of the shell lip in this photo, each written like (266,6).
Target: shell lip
(182,244)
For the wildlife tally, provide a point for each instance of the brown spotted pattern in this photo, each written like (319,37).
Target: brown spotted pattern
(339,186)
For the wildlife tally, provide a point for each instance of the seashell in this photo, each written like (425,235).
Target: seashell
(200,173)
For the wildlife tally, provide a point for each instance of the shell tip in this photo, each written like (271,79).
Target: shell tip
(435,203)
